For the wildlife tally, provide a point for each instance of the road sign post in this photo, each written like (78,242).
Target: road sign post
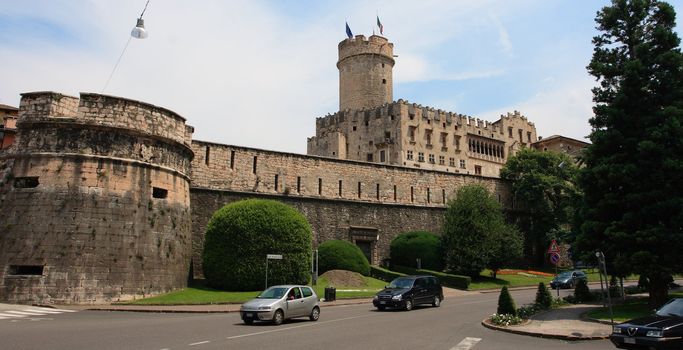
(554,251)
(271,257)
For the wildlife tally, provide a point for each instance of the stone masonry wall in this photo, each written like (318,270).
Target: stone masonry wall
(96,204)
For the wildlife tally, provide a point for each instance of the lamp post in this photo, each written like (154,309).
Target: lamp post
(603,269)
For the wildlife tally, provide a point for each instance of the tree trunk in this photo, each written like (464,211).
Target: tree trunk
(659,290)
(495,272)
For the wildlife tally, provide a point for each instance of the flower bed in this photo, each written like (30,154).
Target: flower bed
(523,272)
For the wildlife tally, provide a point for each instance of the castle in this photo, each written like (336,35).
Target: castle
(106,198)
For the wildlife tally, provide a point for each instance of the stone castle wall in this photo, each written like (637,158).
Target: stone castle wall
(341,199)
(96,203)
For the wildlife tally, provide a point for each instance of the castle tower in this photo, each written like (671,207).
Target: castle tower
(95,201)
(365,67)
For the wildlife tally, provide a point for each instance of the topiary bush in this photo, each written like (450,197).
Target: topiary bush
(581,293)
(506,305)
(239,236)
(342,255)
(409,246)
(543,297)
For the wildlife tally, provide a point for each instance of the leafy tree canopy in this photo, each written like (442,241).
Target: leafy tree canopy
(474,231)
(633,187)
(543,184)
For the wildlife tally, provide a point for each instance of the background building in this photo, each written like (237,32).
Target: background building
(8,126)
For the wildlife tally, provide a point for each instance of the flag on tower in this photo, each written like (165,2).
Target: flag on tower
(348,31)
(381,27)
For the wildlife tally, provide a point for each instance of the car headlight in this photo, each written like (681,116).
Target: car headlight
(616,330)
(264,307)
(657,334)
(397,297)
(375,298)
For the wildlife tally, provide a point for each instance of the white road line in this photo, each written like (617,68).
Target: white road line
(27,313)
(11,315)
(295,327)
(466,344)
(199,343)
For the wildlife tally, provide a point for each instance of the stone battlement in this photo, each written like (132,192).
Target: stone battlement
(404,107)
(359,45)
(105,111)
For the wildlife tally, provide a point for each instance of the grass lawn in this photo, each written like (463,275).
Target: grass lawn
(205,295)
(634,309)
(485,281)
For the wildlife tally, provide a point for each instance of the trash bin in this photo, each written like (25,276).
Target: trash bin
(330,294)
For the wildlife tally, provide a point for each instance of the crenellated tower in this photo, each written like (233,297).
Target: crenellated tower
(365,72)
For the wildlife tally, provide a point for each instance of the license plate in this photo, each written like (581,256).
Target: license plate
(629,340)
(249,314)
(382,302)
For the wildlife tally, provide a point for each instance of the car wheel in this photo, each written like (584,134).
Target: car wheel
(248,321)
(315,314)
(437,301)
(278,317)
(409,305)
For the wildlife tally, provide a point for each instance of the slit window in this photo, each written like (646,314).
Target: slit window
(443,196)
(429,195)
(320,186)
(232,159)
(26,270)
(206,156)
(254,166)
(412,194)
(359,189)
(158,192)
(377,192)
(26,182)
(394,193)
(340,188)
(277,183)
(298,184)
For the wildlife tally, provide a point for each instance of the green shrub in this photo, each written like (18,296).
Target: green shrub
(239,236)
(447,280)
(506,305)
(527,311)
(582,293)
(342,255)
(543,297)
(505,320)
(384,274)
(407,247)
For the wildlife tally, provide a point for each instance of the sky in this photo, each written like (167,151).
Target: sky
(257,73)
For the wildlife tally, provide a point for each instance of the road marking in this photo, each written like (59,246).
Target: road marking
(295,327)
(11,315)
(199,343)
(27,313)
(466,344)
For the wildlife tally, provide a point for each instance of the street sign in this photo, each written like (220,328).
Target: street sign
(554,248)
(554,258)
(274,256)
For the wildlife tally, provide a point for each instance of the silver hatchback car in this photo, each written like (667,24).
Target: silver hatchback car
(279,303)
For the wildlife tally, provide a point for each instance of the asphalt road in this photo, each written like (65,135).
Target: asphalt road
(453,326)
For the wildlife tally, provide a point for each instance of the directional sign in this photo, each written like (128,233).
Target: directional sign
(274,256)
(554,258)
(554,248)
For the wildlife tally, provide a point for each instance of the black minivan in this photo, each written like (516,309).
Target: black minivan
(408,291)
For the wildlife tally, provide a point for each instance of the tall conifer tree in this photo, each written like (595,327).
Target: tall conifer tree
(633,179)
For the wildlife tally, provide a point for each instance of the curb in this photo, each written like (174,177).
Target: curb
(322,304)
(540,335)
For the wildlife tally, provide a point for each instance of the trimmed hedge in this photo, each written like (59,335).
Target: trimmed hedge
(239,236)
(342,255)
(384,274)
(409,246)
(543,297)
(447,280)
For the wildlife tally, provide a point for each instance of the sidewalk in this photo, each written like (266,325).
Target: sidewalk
(563,323)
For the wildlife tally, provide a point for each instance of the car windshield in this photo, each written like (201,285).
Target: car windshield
(672,308)
(565,274)
(273,293)
(401,283)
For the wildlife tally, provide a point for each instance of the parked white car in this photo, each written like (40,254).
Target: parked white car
(279,303)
